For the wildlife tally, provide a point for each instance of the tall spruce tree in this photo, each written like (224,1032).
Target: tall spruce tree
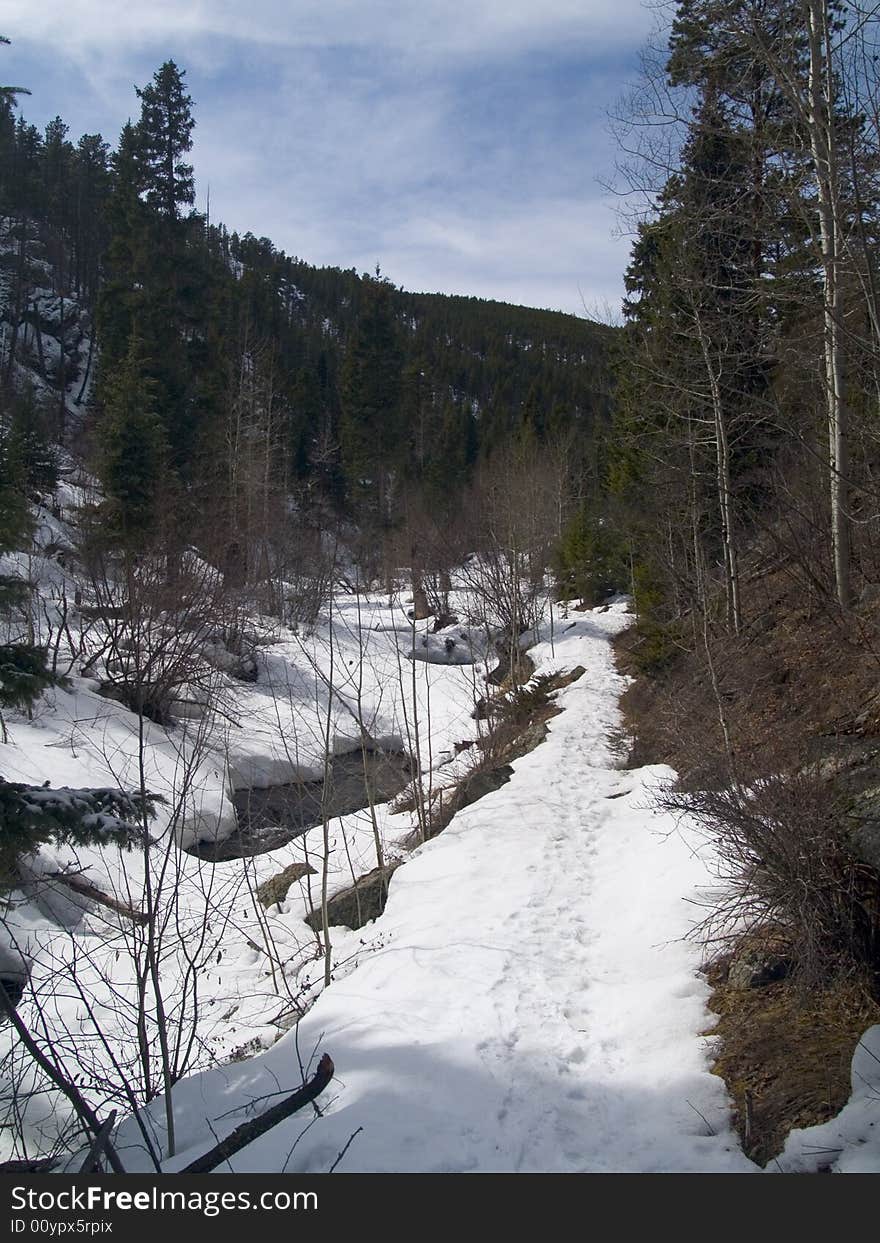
(133,453)
(373,446)
(165,130)
(24,673)
(121,299)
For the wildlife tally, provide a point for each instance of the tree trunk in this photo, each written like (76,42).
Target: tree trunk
(722,471)
(820,124)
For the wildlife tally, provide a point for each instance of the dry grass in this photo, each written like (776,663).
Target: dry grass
(785,1054)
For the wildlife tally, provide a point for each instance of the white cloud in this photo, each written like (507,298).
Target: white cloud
(556,253)
(454,141)
(426,28)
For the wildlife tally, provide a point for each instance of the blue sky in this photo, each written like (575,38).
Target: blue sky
(461,144)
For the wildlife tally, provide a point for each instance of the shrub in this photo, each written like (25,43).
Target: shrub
(785,859)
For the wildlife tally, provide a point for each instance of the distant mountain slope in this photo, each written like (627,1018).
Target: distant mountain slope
(92,264)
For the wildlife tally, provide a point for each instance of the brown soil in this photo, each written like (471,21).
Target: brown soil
(785,1056)
(800,682)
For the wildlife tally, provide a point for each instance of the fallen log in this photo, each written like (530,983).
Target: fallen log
(249,1131)
(80,885)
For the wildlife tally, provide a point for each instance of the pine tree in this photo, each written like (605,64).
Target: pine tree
(158,286)
(24,673)
(30,816)
(177,284)
(8,93)
(91,193)
(165,131)
(132,452)
(373,445)
(120,303)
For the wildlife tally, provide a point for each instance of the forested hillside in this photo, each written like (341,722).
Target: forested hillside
(123,304)
(742,481)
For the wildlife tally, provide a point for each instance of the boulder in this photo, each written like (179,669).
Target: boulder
(13,988)
(356,906)
(241,666)
(478,784)
(276,888)
(864,818)
(865,843)
(753,967)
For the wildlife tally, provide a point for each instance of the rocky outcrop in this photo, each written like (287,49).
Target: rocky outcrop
(503,674)
(754,967)
(479,783)
(356,906)
(864,815)
(276,888)
(852,769)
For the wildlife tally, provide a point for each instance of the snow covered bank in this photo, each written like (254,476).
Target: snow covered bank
(526,1002)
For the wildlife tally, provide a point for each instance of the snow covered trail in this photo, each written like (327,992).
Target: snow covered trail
(526,1003)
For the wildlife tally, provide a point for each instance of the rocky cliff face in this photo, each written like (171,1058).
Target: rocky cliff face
(46,333)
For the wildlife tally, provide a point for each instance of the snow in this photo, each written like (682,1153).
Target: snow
(530,1000)
(452,646)
(527,1001)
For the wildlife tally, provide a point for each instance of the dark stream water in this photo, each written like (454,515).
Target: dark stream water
(273,816)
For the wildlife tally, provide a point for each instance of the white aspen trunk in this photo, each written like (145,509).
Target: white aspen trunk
(722,472)
(820,124)
(325,817)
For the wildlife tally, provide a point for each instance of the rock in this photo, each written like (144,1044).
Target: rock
(753,967)
(242,666)
(866,718)
(501,675)
(354,907)
(155,703)
(98,612)
(276,888)
(187,709)
(14,990)
(864,817)
(558,681)
(62,553)
(763,623)
(478,784)
(482,710)
(14,970)
(530,738)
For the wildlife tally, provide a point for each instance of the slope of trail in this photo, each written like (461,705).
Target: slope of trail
(527,1002)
